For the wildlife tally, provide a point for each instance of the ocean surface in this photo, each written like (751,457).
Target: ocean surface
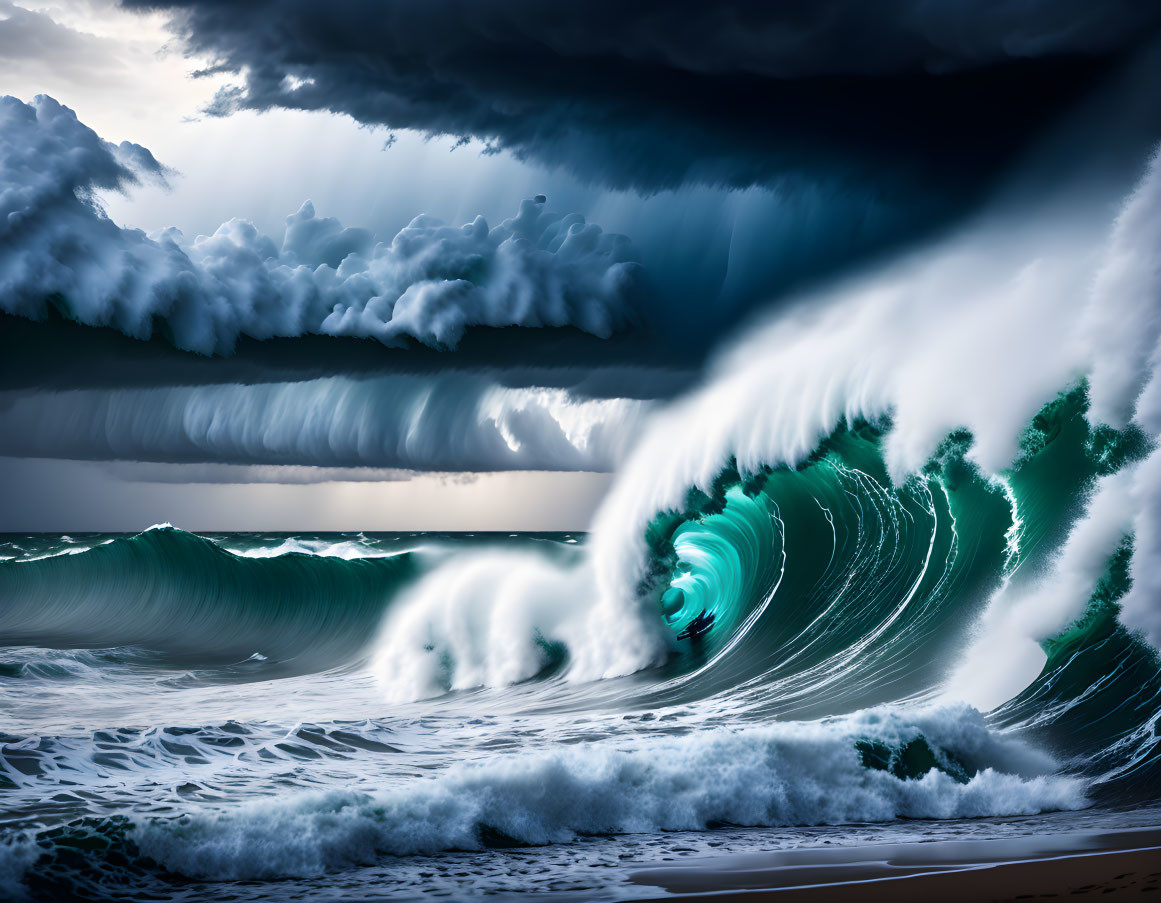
(293,716)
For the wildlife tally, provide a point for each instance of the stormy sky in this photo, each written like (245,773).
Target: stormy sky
(433,265)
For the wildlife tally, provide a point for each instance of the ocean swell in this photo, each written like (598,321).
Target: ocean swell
(188,600)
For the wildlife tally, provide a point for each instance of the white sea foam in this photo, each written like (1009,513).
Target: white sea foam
(1141,606)
(348,550)
(783,774)
(17,854)
(483,619)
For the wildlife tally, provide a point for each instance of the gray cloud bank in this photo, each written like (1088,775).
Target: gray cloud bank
(429,284)
(33,44)
(448,423)
(654,94)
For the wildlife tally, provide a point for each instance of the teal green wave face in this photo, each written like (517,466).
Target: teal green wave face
(818,579)
(723,563)
(832,589)
(1098,694)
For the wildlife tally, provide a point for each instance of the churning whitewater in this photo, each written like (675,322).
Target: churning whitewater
(895,559)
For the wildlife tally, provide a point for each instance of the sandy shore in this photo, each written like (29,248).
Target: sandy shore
(1124,864)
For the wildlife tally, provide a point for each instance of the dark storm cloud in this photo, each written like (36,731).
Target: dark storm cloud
(428,284)
(652,94)
(57,353)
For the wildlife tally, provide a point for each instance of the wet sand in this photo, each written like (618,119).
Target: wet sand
(1124,864)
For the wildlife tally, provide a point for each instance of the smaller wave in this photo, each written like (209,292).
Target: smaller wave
(32,662)
(188,600)
(486,619)
(874,766)
(348,550)
(58,552)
